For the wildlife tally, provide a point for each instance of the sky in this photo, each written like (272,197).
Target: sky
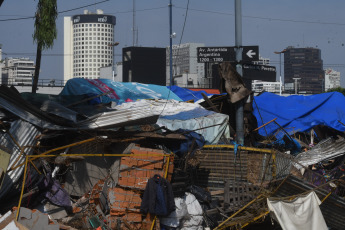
(272,25)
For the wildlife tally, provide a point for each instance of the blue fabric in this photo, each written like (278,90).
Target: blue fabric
(94,101)
(119,91)
(187,115)
(236,147)
(187,94)
(300,112)
(161,207)
(184,147)
(293,145)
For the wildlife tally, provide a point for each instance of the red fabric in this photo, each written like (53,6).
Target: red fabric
(210,91)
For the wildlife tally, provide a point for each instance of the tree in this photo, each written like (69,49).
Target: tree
(45,32)
(338,89)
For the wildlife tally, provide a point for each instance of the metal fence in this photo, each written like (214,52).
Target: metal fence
(28,82)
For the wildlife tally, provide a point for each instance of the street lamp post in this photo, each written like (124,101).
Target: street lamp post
(280,68)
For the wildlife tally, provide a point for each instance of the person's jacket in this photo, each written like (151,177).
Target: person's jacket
(158,197)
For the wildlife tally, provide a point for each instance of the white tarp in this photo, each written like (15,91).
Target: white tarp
(194,222)
(173,220)
(301,213)
(187,216)
(212,126)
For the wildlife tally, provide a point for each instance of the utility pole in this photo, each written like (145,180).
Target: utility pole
(296,84)
(171,37)
(238,45)
(134,29)
(280,69)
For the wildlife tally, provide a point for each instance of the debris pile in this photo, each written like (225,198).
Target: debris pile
(109,155)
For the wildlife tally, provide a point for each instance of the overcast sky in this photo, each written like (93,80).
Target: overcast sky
(271,24)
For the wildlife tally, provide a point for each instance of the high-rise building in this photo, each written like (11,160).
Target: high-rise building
(185,65)
(88,44)
(332,79)
(305,66)
(144,65)
(17,71)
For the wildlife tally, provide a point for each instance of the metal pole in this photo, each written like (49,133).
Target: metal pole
(113,62)
(280,64)
(170,35)
(238,44)
(133,30)
(280,73)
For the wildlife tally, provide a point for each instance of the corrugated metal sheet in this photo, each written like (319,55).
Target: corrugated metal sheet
(114,118)
(333,208)
(24,133)
(119,118)
(326,149)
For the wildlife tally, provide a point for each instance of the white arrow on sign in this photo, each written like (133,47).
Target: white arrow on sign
(250,53)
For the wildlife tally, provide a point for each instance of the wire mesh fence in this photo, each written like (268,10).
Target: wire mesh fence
(248,177)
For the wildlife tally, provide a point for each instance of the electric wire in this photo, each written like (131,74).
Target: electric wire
(59,12)
(170,90)
(267,18)
(81,7)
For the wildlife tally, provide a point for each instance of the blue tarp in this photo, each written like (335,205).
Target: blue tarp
(187,94)
(119,91)
(300,112)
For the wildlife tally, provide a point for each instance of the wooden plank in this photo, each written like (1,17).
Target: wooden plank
(226,194)
(218,192)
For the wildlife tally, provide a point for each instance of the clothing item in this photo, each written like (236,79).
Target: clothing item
(302,213)
(52,190)
(158,197)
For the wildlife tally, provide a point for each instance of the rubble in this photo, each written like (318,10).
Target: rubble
(87,159)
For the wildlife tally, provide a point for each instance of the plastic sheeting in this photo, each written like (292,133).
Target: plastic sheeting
(302,213)
(187,216)
(117,91)
(300,112)
(211,127)
(174,219)
(176,115)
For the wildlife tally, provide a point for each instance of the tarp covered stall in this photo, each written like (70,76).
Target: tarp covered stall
(300,112)
(118,92)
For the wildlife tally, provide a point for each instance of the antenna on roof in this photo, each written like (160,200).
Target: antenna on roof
(134,29)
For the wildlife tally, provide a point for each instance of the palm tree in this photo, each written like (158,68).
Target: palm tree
(45,32)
